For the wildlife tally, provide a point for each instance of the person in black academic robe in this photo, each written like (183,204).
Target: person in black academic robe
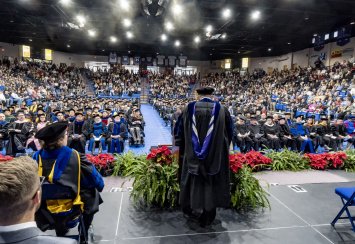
(77,134)
(61,165)
(286,137)
(256,134)
(242,135)
(3,130)
(19,132)
(327,139)
(204,133)
(340,132)
(271,133)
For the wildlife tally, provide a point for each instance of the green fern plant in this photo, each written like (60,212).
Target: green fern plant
(288,160)
(349,162)
(246,192)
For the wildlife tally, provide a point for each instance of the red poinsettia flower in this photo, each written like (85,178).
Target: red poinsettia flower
(161,155)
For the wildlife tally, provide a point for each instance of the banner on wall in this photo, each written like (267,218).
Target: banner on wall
(160,60)
(48,54)
(137,60)
(344,35)
(125,60)
(112,58)
(319,42)
(182,61)
(336,53)
(172,61)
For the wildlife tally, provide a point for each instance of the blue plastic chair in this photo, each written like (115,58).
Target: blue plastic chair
(347,196)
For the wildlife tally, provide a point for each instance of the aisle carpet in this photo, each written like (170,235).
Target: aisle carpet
(156,133)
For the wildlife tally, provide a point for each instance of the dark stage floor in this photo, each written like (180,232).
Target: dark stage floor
(294,218)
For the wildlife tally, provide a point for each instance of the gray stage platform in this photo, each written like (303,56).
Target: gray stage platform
(294,218)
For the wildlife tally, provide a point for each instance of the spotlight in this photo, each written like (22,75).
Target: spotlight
(81,20)
(315,34)
(65,2)
(224,36)
(352,23)
(177,43)
(197,39)
(127,23)
(289,43)
(163,37)
(269,49)
(238,51)
(209,28)
(169,26)
(255,15)
(129,35)
(68,46)
(92,33)
(124,4)
(177,9)
(113,39)
(227,13)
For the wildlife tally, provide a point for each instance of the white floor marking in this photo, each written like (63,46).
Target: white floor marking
(119,214)
(283,204)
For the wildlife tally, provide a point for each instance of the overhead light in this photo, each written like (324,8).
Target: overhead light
(306,18)
(269,49)
(157,53)
(177,9)
(124,4)
(129,51)
(103,50)
(209,28)
(12,21)
(169,26)
(315,34)
(177,43)
(197,39)
(255,15)
(30,39)
(210,54)
(68,46)
(163,37)
(127,23)
(92,33)
(81,20)
(289,43)
(227,13)
(224,36)
(238,51)
(352,23)
(113,39)
(129,35)
(66,2)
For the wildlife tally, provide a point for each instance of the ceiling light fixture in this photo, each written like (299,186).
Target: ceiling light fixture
(127,23)
(209,28)
(65,2)
(163,37)
(289,43)
(124,5)
(269,49)
(113,39)
(129,35)
(255,15)
(177,43)
(224,36)
(315,34)
(92,33)
(227,13)
(177,9)
(169,26)
(81,20)
(197,39)
(352,23)
(68,46)
(30,40)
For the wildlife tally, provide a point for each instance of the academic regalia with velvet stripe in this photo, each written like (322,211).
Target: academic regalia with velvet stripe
(64,162)
(204,177)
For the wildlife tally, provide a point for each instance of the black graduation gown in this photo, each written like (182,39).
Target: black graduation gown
(77,129)
(205,183)
(18,140)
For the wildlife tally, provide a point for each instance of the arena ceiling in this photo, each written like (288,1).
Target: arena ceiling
(248,28)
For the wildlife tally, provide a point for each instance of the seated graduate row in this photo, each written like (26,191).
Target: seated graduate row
(18,135)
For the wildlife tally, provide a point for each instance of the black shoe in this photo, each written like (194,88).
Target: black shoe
(207,218)
(191,214)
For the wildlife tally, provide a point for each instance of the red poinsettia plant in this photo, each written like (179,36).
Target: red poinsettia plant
(326,160)
(161,155)
(104,162)
(5,158)
(253,159)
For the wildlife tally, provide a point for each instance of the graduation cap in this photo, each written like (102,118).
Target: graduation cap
(312,116)
(205,91)
(58,112)
(269,117)
(300,115)
(282,118)
(52,132)
(39,115)
(96,115)
(242,118)
(287,113)
(79,113)
(252,117)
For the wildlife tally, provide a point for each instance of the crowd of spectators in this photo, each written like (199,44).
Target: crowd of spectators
(115,81)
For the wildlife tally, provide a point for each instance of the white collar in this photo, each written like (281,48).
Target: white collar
(16,227)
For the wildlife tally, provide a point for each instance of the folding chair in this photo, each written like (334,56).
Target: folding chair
(71,220)
(347,195)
